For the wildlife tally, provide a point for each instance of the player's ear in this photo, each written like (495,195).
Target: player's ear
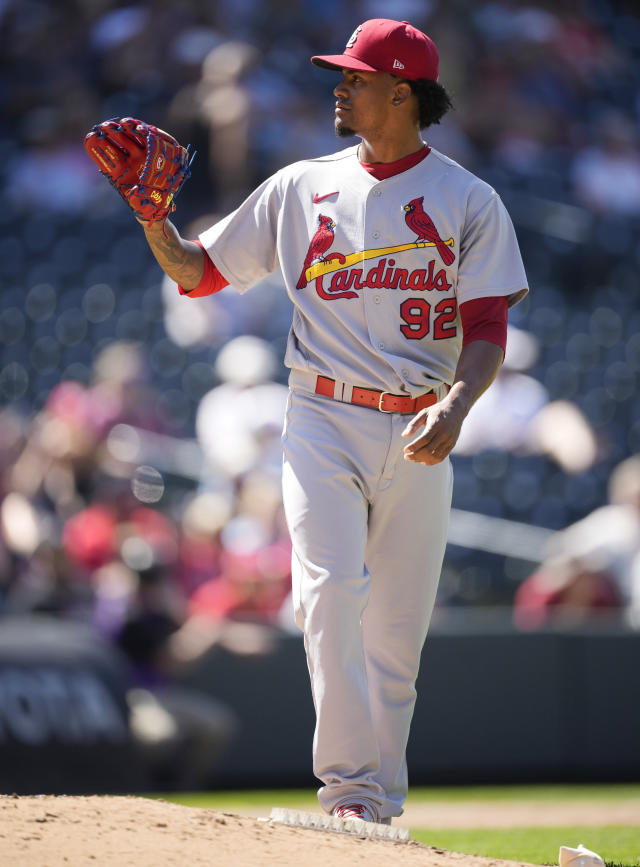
(401,92)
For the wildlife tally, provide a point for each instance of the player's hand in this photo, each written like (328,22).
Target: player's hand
(442,423)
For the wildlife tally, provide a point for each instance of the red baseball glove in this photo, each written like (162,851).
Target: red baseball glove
(146,165)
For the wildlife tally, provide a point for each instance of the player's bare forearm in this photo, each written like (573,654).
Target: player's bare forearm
(477,367)
(182,260)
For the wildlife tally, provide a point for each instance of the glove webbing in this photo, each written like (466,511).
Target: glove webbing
(102,133)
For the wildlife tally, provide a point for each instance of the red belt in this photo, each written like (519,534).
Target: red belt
(382,400)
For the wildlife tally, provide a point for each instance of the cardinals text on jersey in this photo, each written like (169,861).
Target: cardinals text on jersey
(347,280)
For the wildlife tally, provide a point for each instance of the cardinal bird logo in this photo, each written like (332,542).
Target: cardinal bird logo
(319,245)
(421,223)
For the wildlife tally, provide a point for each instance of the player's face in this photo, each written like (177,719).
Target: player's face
(363,103)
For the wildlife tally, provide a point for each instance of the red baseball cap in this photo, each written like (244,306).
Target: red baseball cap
(383,45)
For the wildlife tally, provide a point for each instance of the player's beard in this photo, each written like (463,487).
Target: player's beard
(343,131)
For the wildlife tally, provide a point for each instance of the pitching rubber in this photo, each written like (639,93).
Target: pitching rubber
(323,822)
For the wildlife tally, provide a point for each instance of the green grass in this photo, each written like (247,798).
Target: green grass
(306,799)
(619,845)
(235,802)
(584,792)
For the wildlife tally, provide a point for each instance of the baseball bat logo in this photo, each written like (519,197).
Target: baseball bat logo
(347,268)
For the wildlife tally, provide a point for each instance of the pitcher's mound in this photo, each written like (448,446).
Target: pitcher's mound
(66,831)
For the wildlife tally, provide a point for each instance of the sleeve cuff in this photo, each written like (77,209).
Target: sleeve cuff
(485,319)
(211,281)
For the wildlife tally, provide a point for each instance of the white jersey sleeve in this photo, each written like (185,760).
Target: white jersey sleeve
(490,262)
(249,251)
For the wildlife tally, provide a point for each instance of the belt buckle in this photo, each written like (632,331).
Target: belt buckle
(382,394)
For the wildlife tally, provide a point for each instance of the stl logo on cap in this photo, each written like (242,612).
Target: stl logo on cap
(353,36)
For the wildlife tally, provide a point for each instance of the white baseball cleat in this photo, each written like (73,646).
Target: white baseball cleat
(580,857)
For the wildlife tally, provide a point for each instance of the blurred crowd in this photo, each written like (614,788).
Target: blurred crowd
(544,92)
(140,431)
(162,544)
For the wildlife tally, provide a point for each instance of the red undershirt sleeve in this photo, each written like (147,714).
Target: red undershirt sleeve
(485,319)
(211,281)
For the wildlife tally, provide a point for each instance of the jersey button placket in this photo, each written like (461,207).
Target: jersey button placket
(374,300)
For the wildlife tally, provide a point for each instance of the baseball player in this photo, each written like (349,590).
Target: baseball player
(401,266)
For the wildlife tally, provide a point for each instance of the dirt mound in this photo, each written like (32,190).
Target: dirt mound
(65,831)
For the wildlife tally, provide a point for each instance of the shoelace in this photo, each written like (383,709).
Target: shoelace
(351,811)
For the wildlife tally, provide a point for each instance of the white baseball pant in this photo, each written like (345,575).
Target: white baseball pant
(369,532)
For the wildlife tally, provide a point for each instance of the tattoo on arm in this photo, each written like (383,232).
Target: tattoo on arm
(182,260)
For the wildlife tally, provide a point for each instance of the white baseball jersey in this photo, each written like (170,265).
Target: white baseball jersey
(376,269)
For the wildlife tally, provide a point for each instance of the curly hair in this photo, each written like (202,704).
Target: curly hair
(433,100)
